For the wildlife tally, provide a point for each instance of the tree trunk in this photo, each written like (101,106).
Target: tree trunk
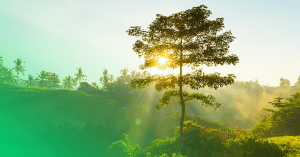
(182,105)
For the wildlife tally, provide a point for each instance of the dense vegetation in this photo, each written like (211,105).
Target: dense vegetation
(92,120)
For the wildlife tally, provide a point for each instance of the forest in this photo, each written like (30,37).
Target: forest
(142,115)
(50,118)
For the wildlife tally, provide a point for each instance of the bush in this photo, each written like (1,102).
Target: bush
(249,146)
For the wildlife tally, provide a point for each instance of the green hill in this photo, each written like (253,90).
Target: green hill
(38,122)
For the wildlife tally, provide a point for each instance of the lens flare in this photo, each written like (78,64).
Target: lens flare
(137,121)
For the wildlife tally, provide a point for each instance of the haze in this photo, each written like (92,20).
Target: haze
(60,36)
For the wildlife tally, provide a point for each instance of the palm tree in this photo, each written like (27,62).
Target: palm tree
(79,75)
(42,79)
(53,80)
(68,82)
(19,68)
(31,81)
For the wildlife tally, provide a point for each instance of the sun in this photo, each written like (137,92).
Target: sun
(162,60)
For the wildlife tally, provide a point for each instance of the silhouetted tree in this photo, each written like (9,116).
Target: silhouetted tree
(188,31)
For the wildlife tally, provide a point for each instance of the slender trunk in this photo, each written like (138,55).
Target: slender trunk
(182,104)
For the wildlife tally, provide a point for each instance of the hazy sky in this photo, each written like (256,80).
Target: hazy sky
(62,35)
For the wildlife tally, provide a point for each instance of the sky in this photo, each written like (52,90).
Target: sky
(59,36)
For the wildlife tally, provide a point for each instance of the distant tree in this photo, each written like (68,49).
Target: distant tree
(19,68)
(68,82)
(31,81)
(284,82)
(297,84)
(188,31)
(87,88)
(53,80)
(125,78)
(1,62)
(79,76)
(94,84)
(42,79)
(111,78)
(286,120)
(6,76)
(104,79)
(132,74)
(145,74)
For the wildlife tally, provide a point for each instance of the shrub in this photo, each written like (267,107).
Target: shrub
(250,146)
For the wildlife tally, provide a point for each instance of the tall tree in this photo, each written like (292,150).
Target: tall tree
(19,68)
(188,31)
(79,76)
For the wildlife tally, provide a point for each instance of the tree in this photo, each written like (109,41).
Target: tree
(68,82)
(42,79)
(284,82)
(286,119)
(1,62)
(124,77)
(297,84)
(171,36)
(31,81)
(53,80)
(19,68)
(104,79)
(6,76)
(94,84)
(111,78)
(79,75)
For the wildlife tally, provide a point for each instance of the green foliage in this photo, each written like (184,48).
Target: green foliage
(87,88)
(123,148)
(249,146)
(286,119)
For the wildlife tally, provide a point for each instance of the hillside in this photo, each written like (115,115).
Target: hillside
(36,120)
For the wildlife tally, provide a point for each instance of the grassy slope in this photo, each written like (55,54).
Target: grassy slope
(24,112)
